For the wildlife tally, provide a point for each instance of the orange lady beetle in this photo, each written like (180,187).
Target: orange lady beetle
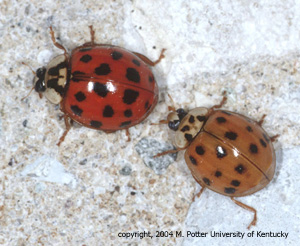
(100,86)
(225,151)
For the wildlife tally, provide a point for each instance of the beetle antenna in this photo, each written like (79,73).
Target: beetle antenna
(172,107)
(34,73)
(27,94)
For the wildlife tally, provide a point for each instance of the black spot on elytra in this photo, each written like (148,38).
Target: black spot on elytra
(201,118)
(125,123)
(127,113)
(263,143)
(85,49)
(76,110)
(76,76)
(231,135)
(235,183)
(249,129)
(206,181)
(240,168)
(86,58)
(185,128)
(136,62)
(95,124)
(78,73)
(116,55)
(192,119)
(253,148)
(54,71)
(108,111)
(221,119)
(146,105)
(218,174)
(130,96)
(188,137)
(133,75)
(200,150)
(229,190)
(103,69)
(53,83)
(80,96)
(151,79)
(193,160)
(100,89)
(221,152)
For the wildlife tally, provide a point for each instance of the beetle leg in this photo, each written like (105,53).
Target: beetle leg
(92,34)
(199,193)
(128,135)
(68,127)
(261,121)
(58,45)
(224,99)
(212,109)
(161,122)
(170,151)
(274,137)
(148,61)
(244,206)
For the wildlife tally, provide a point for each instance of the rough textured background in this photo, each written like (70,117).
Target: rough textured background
(96,185)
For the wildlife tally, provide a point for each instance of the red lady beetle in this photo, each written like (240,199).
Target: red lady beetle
(104,87)
(225,151)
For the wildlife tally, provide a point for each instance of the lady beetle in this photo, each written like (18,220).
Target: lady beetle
(226,152)
(104,87)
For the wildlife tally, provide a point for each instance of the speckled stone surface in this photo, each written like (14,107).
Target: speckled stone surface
(95,188)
